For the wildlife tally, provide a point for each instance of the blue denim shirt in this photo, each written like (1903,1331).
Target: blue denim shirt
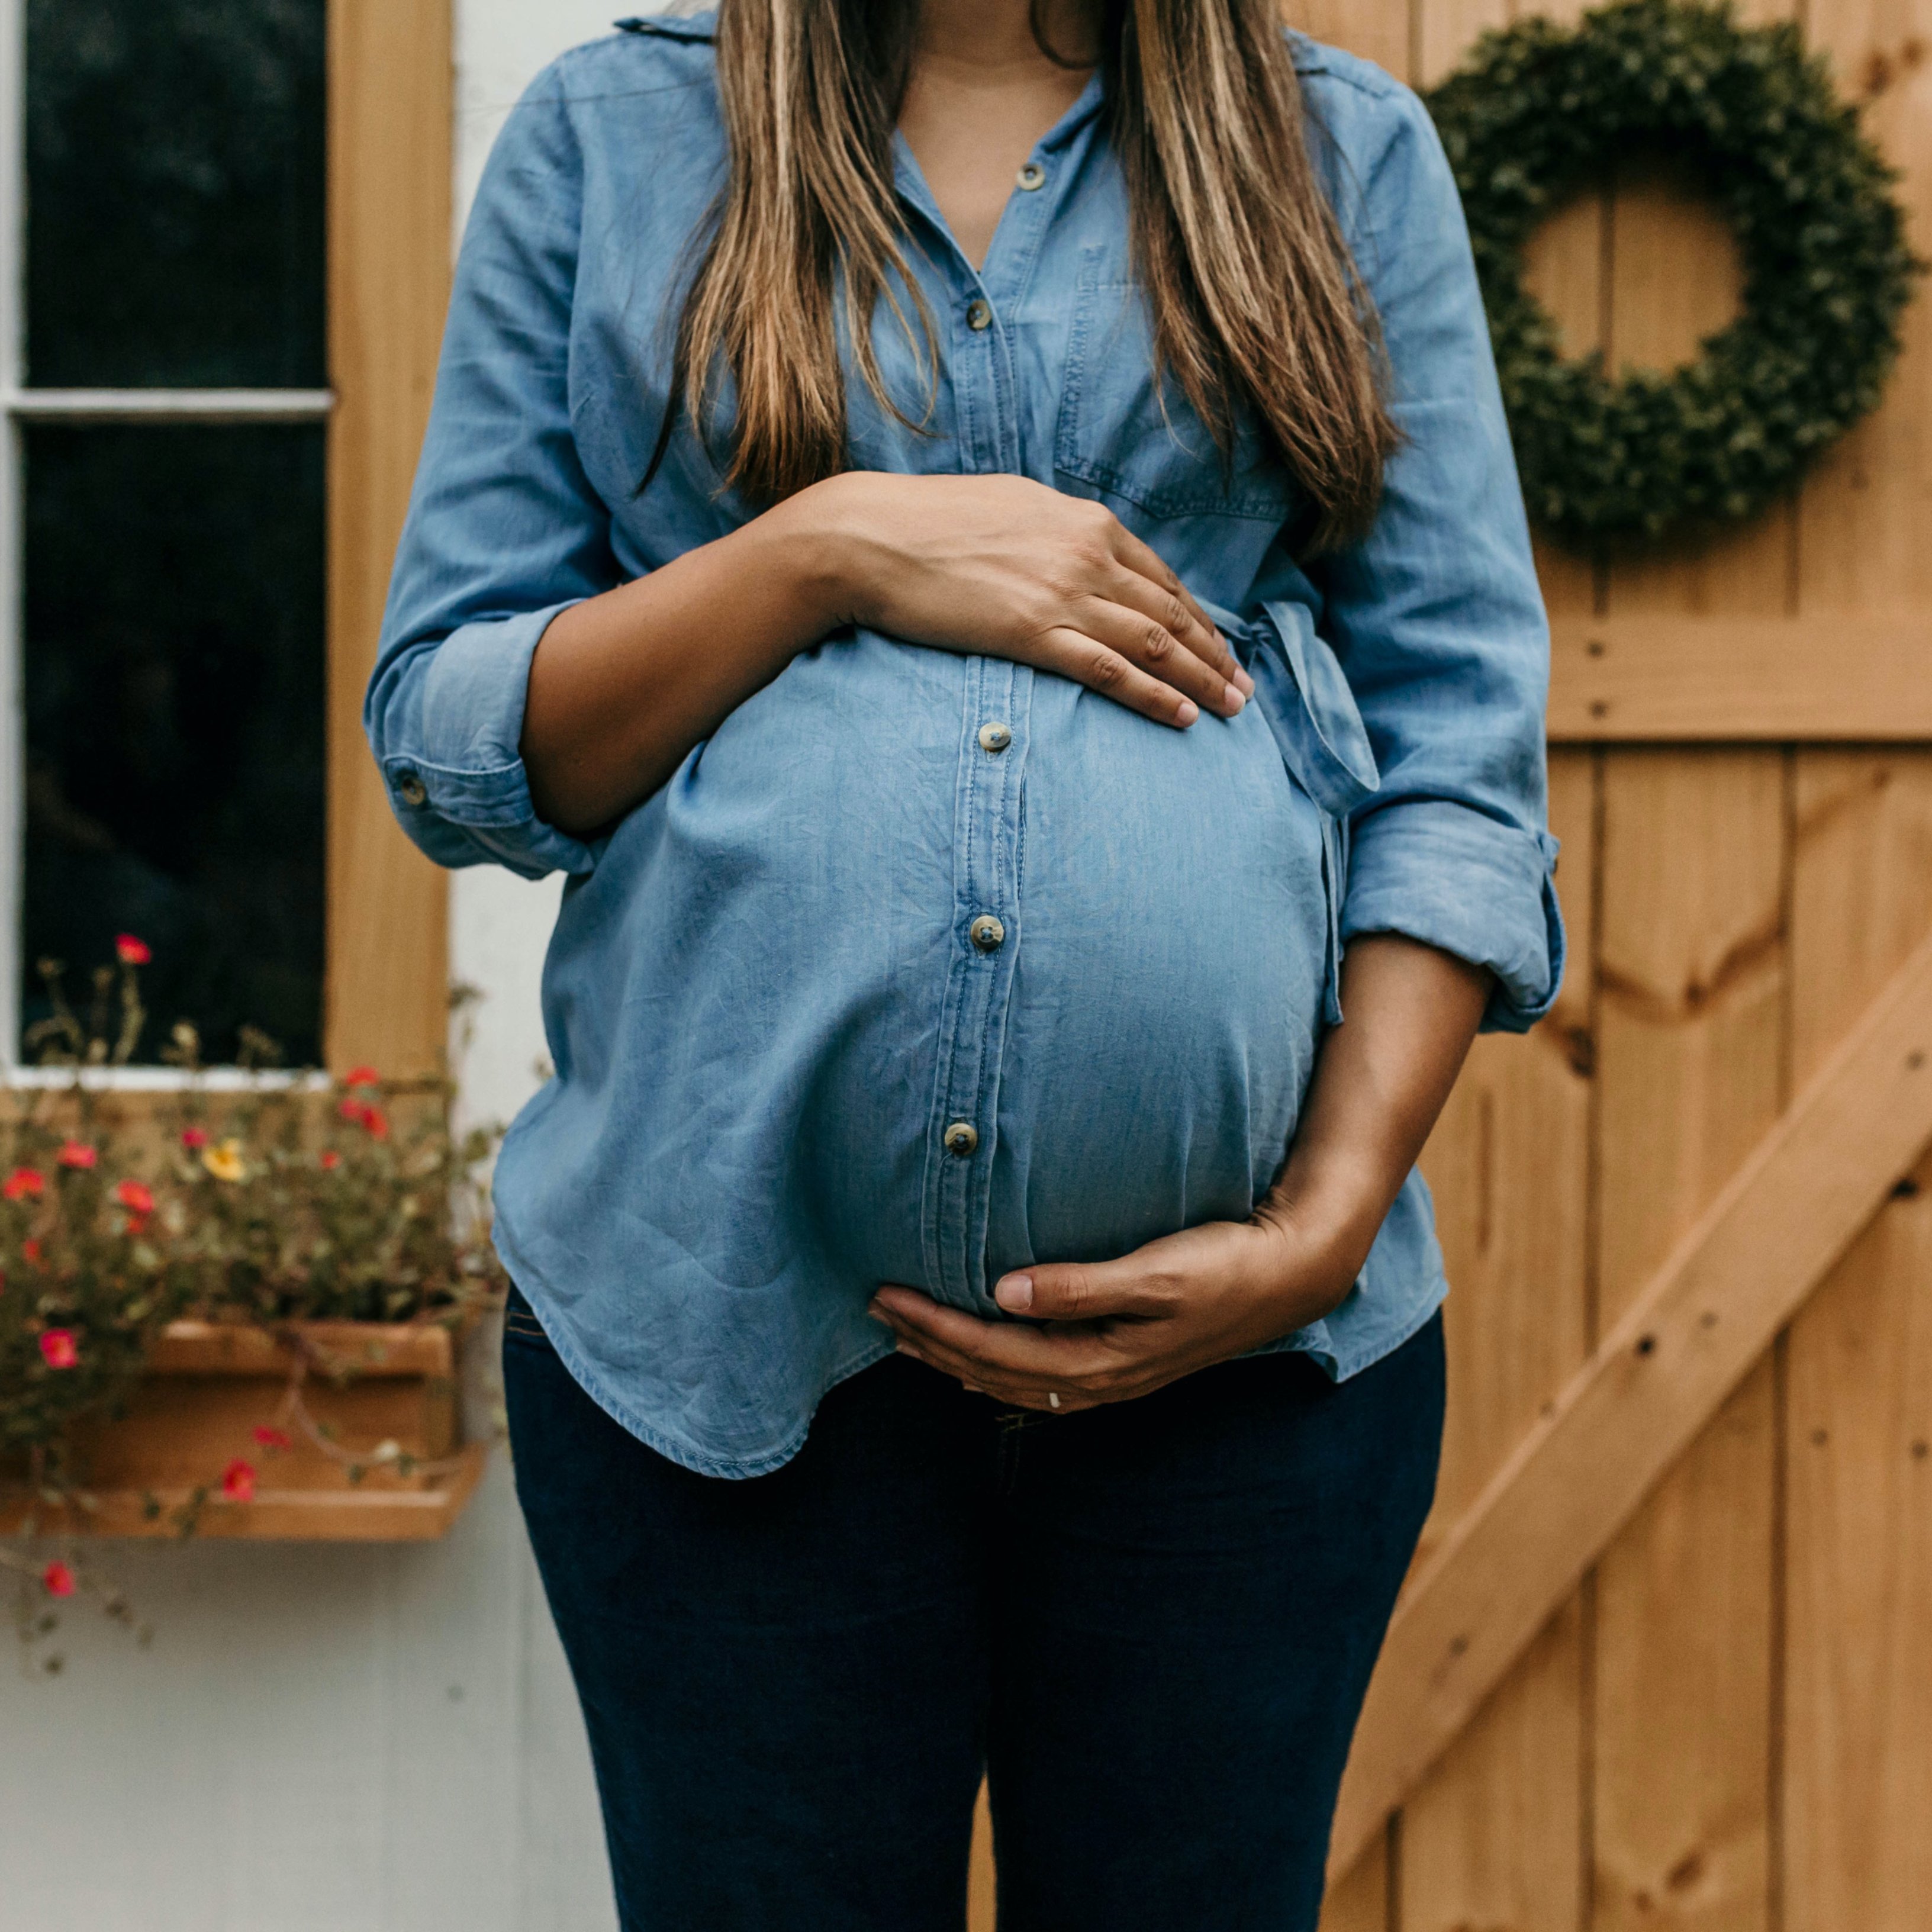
(768,1013)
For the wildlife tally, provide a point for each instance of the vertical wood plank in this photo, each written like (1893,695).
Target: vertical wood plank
(1857,1784)
(1494,1837)
(1491,1837)
(1692,1038)
(1692,976)
(1378,33)
(390,105)
(1863,512)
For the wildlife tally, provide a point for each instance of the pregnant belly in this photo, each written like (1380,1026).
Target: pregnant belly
(791,919)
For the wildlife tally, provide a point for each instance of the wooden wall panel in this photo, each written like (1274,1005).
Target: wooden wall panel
(1493,1837)
(1744,1695)
(1692,978)
(1857,1705)
(390,171)
(1692,1073)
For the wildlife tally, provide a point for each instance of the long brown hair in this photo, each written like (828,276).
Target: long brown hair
(1254,297)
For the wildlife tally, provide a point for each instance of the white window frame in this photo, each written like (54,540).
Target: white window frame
(21,404)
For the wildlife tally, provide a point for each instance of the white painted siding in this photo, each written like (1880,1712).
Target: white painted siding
(327,1739)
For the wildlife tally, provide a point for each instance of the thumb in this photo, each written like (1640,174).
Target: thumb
(1080,1291)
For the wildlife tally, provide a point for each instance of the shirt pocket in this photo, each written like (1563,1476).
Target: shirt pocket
(1126,432)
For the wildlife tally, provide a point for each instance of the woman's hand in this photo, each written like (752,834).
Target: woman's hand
(1114,1330)
(1108,1331)
(1003,567)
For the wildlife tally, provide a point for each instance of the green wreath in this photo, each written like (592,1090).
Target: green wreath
(1540,112)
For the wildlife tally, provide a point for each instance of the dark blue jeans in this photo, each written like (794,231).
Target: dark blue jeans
(1151,1624)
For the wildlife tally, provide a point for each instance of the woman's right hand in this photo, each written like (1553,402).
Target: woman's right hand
(1002,567)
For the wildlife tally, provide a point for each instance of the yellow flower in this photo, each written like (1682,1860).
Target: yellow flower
(223,1160)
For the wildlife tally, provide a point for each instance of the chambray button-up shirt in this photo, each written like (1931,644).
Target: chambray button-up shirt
(924,967)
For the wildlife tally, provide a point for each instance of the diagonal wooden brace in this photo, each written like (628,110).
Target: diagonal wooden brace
(1805,1193)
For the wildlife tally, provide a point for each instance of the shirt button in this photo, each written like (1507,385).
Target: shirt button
(987,933)
(961,1137)
(411,790)
(979,314)
(1032,175)
(995,737)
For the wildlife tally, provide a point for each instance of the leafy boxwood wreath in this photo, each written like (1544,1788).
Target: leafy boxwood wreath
(1541,112)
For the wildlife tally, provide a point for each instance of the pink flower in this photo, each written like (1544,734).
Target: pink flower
(270,1437)
(331,1159)
(57,1579)
(237,1481)
(132,952)
(362,1076)
(135,1196)
(194,1139)
(24,1183)
(58,1349)
(77,1154)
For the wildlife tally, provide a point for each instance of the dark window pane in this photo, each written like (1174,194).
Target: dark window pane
(175,707)
(174,216)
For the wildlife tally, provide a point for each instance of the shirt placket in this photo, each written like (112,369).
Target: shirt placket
(983,950)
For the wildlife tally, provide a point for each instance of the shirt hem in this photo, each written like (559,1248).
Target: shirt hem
(686,1454)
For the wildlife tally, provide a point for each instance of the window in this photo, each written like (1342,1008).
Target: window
(215,207)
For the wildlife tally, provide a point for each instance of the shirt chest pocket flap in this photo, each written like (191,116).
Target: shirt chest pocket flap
(1125,434)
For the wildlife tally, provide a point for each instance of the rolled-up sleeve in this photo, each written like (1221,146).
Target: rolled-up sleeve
(1435,615)
(504,530)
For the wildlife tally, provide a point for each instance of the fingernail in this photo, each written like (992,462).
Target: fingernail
(1237,697)
(1188,712)
(1244,683)
(877,1313)
(1014,1294)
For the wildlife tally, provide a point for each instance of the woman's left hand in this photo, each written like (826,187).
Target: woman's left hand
(1108,1331)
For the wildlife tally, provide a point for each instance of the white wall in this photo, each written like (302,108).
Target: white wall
(333,1739)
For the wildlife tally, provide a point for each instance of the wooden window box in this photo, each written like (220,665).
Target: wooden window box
(371,1387)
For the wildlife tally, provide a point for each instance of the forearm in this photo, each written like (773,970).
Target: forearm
(624,685)
(1384,1076)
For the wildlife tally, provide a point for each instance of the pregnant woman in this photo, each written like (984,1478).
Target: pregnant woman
(982,538)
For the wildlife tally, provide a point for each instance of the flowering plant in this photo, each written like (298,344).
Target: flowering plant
(351,1199)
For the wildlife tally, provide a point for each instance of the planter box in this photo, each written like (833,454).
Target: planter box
(208,1386)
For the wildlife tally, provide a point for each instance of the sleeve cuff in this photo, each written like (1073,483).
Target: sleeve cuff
(1441,873)
(458,786)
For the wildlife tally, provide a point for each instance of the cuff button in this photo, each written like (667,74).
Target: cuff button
(411,790)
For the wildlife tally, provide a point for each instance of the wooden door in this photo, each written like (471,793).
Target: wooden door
(1672,1217)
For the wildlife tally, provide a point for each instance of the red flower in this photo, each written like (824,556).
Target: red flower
(58,1349)
(77,1154)
(132,952)
(57,1579)
(331,1159)
(362,1076)
(24,1183)
(135,1196)
(271,1437)
(194,1139)
(237,1481)
(31,1248)
(372,1120)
